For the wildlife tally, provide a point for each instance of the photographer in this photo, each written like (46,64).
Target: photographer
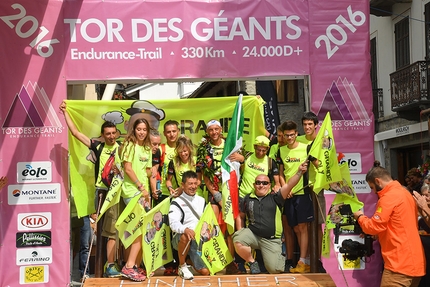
(395,224)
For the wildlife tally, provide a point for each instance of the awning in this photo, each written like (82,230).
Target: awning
(401,131)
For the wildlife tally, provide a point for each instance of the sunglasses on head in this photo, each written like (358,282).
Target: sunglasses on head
(258,182)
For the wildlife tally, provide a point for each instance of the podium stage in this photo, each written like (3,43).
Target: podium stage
(276,280)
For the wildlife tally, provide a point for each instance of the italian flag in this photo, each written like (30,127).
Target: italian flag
(231,169)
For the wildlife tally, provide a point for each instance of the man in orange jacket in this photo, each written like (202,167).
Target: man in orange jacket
(395,224)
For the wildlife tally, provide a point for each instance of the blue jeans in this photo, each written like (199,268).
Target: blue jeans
(84,245)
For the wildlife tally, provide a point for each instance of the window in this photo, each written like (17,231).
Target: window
(401,31)
(427,30)
(373,64)
(287,91)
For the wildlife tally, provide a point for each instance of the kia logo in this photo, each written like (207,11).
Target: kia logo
(34,221)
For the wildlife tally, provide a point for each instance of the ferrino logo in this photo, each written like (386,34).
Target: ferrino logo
(31,115)
(345,106)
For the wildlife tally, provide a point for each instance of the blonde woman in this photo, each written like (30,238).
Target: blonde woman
(136,155)
(183,160)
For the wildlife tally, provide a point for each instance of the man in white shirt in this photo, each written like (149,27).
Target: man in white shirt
(184,214)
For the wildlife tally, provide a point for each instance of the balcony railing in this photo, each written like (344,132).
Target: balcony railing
(409,87)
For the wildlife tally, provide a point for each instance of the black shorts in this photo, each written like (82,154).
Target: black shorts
(299,209)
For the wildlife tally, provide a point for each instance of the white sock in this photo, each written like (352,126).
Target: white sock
(308,260)
(303,259)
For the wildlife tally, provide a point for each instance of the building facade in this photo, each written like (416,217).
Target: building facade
(400,54)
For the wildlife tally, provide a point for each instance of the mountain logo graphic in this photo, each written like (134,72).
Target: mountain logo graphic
(31,107)
(343,102)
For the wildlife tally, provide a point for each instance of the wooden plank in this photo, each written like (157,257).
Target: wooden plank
(271,280)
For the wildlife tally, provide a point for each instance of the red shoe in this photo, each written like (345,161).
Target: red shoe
(133,274)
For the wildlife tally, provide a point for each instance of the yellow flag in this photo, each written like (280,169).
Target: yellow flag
(130,221)
(227,210)
(324,150)
(211,244)
(156,245)
(345,194)
(113,195)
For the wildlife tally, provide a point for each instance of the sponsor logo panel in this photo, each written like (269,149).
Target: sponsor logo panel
(33,274)
(359,183)
(34,256)
(33,239)
(34,194)
(353,160)
(34,221)
(36,171)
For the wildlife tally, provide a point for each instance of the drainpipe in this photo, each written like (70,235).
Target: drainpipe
(426,112)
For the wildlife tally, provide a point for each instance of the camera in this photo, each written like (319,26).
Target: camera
(352,249)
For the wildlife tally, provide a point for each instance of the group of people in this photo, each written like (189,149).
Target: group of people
(275,202)
(191,176)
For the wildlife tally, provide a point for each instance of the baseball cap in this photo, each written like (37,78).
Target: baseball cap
(262,141)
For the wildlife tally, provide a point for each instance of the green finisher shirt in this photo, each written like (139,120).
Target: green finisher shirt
(291,159)
(104,156)
(140,158)
(253,167)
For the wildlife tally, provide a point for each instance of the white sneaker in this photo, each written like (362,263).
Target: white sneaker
(185,273)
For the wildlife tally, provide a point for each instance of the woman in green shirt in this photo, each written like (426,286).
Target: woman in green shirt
(136,156)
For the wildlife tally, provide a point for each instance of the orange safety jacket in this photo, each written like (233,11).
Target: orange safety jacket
(395,223)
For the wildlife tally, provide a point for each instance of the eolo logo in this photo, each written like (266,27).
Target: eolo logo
(34,172)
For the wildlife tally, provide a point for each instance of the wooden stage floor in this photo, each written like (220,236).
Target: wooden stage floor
(276,280)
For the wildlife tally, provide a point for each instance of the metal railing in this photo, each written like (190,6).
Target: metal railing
(409,85)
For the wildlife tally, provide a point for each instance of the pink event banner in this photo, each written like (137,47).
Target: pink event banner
(34,205)
(185,39)
(340,84)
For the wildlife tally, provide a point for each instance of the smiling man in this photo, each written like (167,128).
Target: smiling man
(184,214)
(262,210)
(101,149)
